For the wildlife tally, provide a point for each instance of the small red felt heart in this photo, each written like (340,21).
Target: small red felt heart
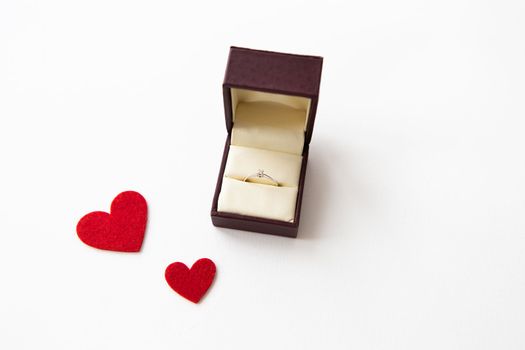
(192,283)
(122,230)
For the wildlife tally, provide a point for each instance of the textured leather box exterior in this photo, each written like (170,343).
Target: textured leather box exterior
(273,72)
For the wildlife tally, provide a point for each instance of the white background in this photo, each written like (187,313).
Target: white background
(412,232)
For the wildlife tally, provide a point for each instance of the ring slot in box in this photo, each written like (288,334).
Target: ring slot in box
(270,102)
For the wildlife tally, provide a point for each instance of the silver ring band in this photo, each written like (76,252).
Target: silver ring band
(262,175)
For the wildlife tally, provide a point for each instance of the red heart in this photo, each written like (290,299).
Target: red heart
(192,283)
(122,230)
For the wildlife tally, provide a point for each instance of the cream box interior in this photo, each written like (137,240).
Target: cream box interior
(268,134)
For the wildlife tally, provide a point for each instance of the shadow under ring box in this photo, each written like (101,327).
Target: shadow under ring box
(270,102)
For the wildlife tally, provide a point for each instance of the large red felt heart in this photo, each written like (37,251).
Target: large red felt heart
(122,230)
(192,283)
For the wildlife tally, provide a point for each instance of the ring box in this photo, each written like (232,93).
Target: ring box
(270,103)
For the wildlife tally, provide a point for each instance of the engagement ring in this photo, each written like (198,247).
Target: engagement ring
(262,175)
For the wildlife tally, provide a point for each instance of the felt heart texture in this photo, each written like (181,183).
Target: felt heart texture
(120,230)
(192,283)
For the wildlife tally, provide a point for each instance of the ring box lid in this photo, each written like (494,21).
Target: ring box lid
(274,73)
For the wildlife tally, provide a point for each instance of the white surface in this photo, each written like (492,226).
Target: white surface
(412,232)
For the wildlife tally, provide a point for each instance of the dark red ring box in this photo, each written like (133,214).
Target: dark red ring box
(273,72)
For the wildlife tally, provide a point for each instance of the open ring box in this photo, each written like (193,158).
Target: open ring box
(270,101)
